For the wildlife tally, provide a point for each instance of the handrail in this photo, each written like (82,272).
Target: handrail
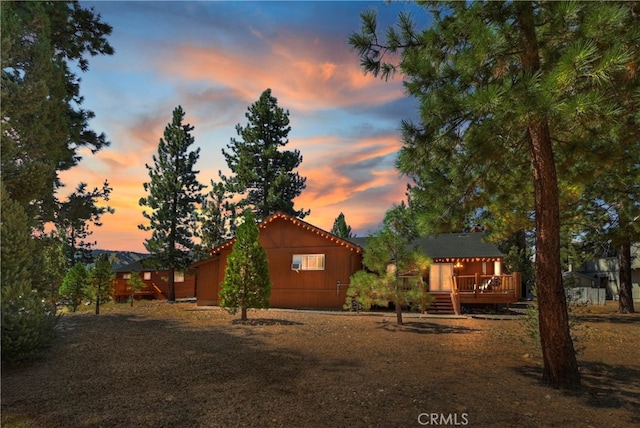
(156,290)
(455,295)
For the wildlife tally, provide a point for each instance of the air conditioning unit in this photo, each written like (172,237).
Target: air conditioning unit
(295,266)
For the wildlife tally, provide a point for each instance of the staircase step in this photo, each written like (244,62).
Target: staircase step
(441,305)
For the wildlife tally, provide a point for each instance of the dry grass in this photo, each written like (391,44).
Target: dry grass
(164,365)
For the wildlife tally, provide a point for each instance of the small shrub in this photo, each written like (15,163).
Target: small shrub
(28,325)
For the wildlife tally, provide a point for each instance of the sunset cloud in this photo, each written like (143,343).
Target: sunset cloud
(215,59)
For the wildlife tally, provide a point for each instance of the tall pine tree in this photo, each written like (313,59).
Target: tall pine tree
(174,194)
(506,91)
(246,283)
(44,127)
(264,176)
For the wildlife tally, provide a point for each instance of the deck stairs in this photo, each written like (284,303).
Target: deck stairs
(441,305)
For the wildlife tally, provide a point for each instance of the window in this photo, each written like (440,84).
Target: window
(178,276)
(308,262)
(147,275)
(126,276)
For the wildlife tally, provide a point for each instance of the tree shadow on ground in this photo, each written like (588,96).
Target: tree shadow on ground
(264,321)
(613,318)
(423,327)
(603,385)
(127,360)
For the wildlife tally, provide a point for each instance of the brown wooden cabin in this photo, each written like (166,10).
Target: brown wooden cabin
(467,270)
(157,282)
(309,267)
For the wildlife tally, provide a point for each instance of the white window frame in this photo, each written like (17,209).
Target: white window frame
(146,275)
(178,276)
(308,262)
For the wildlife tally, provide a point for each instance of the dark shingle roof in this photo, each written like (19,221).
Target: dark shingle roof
(143,265)
(450,245)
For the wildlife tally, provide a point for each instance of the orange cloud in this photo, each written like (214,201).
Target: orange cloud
(298,77)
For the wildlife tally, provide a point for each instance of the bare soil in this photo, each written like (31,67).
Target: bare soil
(179,365)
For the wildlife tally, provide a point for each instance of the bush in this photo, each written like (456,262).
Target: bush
(28,324)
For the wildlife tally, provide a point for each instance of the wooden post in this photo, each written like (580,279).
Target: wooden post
(517,279)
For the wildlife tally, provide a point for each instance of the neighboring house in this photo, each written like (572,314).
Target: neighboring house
(157,282)
(606,274)
(309,267)
(583,289)
(466,270)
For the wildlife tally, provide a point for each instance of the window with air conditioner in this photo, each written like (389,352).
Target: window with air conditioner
(308,262)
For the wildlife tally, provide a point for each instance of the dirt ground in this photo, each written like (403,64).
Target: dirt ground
(179,365)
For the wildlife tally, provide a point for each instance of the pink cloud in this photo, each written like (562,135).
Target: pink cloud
(304,80)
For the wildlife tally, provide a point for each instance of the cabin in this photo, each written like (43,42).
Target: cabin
(466,270)
(309,267)
(156,280)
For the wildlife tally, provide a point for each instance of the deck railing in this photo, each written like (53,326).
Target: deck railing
(487,284)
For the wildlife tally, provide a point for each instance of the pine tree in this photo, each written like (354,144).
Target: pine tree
(174,194)
(101,279)
(75,286)
(388,255)
(246,283)
(49,267)
(216,217)
(44,127)
(74,217)
(340,227)
(28,322)
(264,175)
(135,284)
(507,92)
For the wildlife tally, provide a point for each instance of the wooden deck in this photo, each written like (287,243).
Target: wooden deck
(485,289)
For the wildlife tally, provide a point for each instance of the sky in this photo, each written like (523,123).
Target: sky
(215,59)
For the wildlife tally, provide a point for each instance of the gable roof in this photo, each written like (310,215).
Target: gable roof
(300,223)
(451,246)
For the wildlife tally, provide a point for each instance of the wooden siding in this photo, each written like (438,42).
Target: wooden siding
(283,237)
(207,282)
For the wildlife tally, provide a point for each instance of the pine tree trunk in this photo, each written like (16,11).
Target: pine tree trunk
(560,364)
(398,293)
(625,301)
(399,314)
